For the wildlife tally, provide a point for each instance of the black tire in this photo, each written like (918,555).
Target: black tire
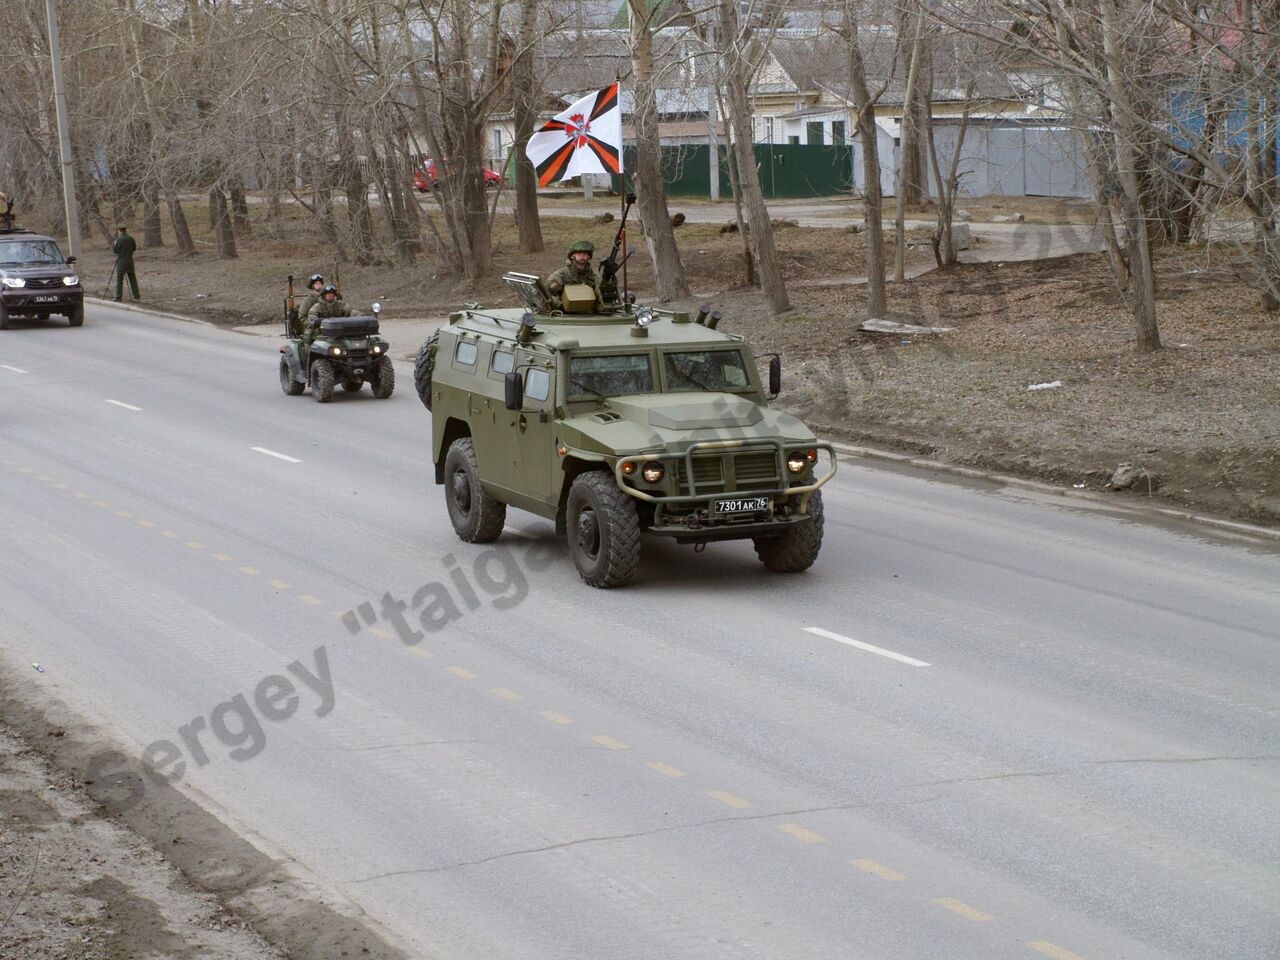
(422,368)
(4,320)
(382,378)
(290,386)
(604,530)
(796,549)
(76,317)
(476,516)
(321,380)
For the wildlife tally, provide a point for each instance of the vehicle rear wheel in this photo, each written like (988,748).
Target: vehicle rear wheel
(604,530)
(382,378)
(75,317)
(798,547)
(290,386)
(322,380)
(476,516)
(422,368)
(353,384)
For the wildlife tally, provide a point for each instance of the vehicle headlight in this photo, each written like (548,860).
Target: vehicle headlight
(653,471)
(70,281)
(797,462)
(377,348)
(336,351)
(13,282)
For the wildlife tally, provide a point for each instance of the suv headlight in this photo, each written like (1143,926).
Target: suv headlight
(653,471)
(13,282)
(70,281)
(798,461)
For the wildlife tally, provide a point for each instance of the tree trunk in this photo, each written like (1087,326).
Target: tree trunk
(659,235)
(181,232)
(151,235)
(762,244)
(908,166)
(222,226)
(873,194)
(240,208)
(524,86)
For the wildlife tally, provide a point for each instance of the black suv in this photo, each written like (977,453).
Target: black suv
(36,280)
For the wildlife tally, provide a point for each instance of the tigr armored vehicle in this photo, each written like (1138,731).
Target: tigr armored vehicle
(614,420)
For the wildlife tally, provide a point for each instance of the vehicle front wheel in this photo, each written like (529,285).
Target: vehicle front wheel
(290,386)
(604,530)
(322,380)
(798,547)
(423,367)
(476,516)
(75,317)
(382,378)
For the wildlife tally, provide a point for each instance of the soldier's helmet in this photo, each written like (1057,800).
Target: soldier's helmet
(329,288)
(582,246)
(311,280)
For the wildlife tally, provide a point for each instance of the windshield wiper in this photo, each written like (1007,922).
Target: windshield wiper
(704,386)
(574,382)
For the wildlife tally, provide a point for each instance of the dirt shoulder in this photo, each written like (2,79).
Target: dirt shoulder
(84,878)
(1200,420)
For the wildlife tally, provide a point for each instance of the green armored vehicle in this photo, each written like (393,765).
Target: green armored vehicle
(613,421)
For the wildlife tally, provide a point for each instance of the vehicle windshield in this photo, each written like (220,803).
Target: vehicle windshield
(610,376)
(713,370)
(30,253)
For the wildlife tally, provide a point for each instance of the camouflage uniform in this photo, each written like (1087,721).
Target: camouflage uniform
(566,275)
(319,311)
(299,326)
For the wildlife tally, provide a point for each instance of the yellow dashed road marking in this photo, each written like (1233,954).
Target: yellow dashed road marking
(80,494)
(419,652)
(41,476)
(665,770)
(554,717)
(1053,950)
(251,571)
(608,742)
(506,694)
(278,584)
(146,523)
(195,544)
(308,598)
(800,833)
(25,470)
(61,486)
(963,909)
(220,556)
(462,672)
(728,798)
(881,871)
(101,503)
(382,634)
(123,513)
(171,534)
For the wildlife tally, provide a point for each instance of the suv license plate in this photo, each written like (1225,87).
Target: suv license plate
(46,299)
(748,505)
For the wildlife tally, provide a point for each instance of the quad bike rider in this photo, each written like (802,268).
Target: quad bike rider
(330,346)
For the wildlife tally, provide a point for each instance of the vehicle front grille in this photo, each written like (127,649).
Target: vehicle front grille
(45,283)
(729,472)
(757,470)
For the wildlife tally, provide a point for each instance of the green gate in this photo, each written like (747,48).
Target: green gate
(786,170)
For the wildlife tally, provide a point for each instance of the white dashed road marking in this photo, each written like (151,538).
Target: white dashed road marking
(868,647)
(278,456)
(127,406)
(14,369)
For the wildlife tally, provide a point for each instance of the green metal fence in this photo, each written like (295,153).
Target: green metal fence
(785,170)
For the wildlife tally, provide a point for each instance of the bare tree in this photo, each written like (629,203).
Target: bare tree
(524,91)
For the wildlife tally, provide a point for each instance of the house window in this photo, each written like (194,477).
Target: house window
(837,132)
(497,143)
(768,129)
(813,132)
(794,139)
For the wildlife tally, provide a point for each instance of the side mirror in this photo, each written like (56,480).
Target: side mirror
(514,384)
(775,376)
(71,260)
(377,309)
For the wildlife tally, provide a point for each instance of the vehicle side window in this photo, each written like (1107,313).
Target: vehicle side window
(537,384)
(504,361)
(466,353)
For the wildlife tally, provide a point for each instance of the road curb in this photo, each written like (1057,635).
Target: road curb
(134,308)
(1085,497)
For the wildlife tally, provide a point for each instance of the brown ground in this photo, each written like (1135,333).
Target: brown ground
(1202,416)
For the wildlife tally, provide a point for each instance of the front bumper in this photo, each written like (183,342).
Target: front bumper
(33,303)
(691,516)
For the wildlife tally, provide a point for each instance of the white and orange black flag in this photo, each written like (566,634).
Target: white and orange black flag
(586,138)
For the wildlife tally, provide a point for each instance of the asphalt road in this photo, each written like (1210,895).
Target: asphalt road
(1062,743)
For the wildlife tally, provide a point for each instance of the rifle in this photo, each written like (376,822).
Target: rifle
(290,308)
(610,265)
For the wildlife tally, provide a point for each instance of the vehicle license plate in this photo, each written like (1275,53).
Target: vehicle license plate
(747,505)
(46,299)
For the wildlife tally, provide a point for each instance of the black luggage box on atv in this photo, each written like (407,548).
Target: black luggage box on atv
(348,326)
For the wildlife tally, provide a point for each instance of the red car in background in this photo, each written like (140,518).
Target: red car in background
(426,177)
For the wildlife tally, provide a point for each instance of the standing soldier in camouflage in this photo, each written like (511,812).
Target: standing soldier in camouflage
(577,269)
(123,248)
(315,283)
(328,306)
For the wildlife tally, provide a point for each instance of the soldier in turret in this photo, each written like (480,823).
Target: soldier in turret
(577,269)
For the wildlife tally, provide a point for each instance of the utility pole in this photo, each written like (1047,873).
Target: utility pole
(64,136)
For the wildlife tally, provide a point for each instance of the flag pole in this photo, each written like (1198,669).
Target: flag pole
(622,184)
